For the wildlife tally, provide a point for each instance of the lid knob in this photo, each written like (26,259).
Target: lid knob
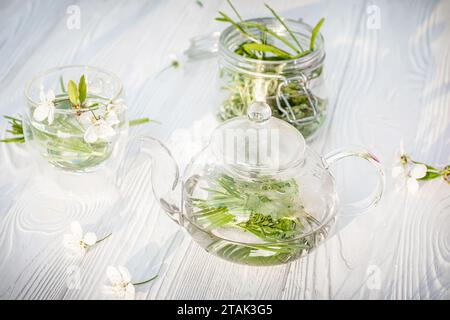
(259,111)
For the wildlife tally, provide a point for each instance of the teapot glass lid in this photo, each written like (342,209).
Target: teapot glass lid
(258,143)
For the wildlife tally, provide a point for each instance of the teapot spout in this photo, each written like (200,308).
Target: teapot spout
(165,176)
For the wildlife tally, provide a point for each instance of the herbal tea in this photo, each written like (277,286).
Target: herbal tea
(262,220)
(75,129)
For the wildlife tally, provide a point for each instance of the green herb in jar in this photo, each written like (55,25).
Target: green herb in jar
(272,40)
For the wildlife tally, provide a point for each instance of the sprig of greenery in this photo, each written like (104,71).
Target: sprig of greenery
(314,34)
(433,173)
(225,18)
(77,95)
(139,121)
(259,46)
(266,207)
(16,129)
(268,228)
(291,34)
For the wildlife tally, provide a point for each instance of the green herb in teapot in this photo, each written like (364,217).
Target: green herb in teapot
(264,214)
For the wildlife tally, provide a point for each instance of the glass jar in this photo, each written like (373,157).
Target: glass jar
(76,139)
(294,89)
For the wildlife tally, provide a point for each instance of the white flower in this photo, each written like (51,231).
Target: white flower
(407,172)
(112,110)
(120,283)
(100,130)
(76,242)
(97,128)
(46,107)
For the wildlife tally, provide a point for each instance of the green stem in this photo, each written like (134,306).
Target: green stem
(285,26)
(61,84)
(18,139)
(235,11)
(139,121)
(146,281)
(98,241)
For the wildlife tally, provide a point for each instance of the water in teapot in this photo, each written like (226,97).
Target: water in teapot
(257,221)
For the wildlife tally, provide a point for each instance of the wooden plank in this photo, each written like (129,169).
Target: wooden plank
(385,85)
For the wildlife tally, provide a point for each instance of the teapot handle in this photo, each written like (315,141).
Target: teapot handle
(363,205)
(165,175)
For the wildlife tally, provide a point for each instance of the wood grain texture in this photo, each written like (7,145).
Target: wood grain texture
(385,85)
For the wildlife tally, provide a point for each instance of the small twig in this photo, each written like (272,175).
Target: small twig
(146,281)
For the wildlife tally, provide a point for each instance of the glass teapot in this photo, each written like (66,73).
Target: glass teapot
(256,194)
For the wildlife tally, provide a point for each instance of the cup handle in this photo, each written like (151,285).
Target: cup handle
(363,205)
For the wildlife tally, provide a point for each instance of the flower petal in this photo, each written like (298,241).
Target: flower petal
(397,171)
(69,241)
(105,131)
(126,277)
(111,118)
(108,291)
(51,114)
(86,118)
(130,292)
(418,171)
(40,113)
(90,135)
(90,238)
(50,96)
(113,275)
(42,94)
(76,229)
(412,185)
(78,251)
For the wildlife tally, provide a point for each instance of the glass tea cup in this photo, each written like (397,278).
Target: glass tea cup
(76,138)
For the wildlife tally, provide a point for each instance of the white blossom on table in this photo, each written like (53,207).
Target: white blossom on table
(120,286)
(406,172)
(76,242)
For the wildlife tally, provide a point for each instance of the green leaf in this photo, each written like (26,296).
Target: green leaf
(429,168)
(226,18)
(139,121)
(234,9)
(272,33)
(267,48)
(82,89)
(16,129)
(314,34)
(430,176)
(18,139)
(73,93)
(61,84)
(285,26)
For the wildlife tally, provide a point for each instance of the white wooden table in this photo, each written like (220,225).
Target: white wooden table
(387,82)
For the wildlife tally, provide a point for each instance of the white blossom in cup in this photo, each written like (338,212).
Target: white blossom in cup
(97,128)
(113,109)
(120,285)
(46,107)
(407,172)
